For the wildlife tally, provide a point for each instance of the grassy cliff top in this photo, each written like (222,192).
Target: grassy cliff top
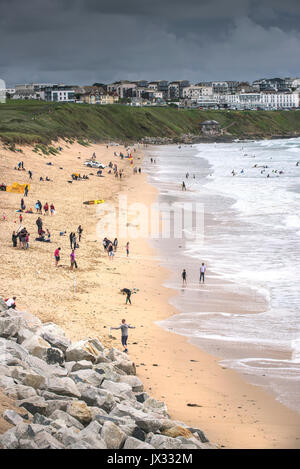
(29,122)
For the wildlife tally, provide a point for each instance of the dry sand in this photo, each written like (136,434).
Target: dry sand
(87,302)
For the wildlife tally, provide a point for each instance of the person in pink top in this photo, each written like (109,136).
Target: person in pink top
(73,260)
(57,256)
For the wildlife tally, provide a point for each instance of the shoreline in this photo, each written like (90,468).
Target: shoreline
(232,413)
(265,421)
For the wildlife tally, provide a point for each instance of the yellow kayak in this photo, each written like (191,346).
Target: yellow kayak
(93,202)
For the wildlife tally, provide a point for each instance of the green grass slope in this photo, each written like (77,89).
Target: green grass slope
(38,122)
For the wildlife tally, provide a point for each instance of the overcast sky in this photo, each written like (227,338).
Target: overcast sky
(84,41)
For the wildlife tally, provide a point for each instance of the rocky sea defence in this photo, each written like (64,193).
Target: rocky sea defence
(78,395)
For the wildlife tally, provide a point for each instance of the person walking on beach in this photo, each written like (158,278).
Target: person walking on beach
(26,191)
(71,240)
(127,292)
(14,239)
(110,251)
(202,272)
(183,186)
(73,260)
(39,223)
(127,248)
(183,275)
(115,244)
(57,256)
(79,231)
(74,241)
(124,333)
(46,208)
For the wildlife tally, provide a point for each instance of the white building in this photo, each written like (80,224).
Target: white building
(263,100)
(194,92)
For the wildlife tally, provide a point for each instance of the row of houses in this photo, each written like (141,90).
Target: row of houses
(275,93)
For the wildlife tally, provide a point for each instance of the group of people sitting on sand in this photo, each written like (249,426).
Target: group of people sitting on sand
(43,236)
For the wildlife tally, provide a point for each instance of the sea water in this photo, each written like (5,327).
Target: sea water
(251,192)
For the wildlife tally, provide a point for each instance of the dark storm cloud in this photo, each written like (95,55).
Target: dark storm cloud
(82,41)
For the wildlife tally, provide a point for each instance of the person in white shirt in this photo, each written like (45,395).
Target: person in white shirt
(202,272)
(11,302)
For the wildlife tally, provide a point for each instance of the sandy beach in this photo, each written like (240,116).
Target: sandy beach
(87,301)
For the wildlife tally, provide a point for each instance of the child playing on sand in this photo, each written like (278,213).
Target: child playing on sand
(57,256)
(124,330)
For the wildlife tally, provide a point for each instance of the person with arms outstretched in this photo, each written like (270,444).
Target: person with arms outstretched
(124,329)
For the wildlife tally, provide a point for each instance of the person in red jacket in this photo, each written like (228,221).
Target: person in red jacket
(46,208)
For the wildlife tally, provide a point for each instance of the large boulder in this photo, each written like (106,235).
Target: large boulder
(55,356)
(164,442)
(11,353)
(24,334)
(87,376)
(29,378)
(9,440)
(176,431)
(117,388)
(30,322)
(10,326)
(108,371)
(56,404)
(19,391)
(96,397)
(144,421)
(63,386)
(112,435)
(80,411)
(6,382)
(67,435)
(34,404)
(134,443)
(36,346)
(84,350)
(12,417)
(133,381)
(44,440)
(126,365)
(81,365)
(66,419)
(27,444)
(55,335)
(157,407)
